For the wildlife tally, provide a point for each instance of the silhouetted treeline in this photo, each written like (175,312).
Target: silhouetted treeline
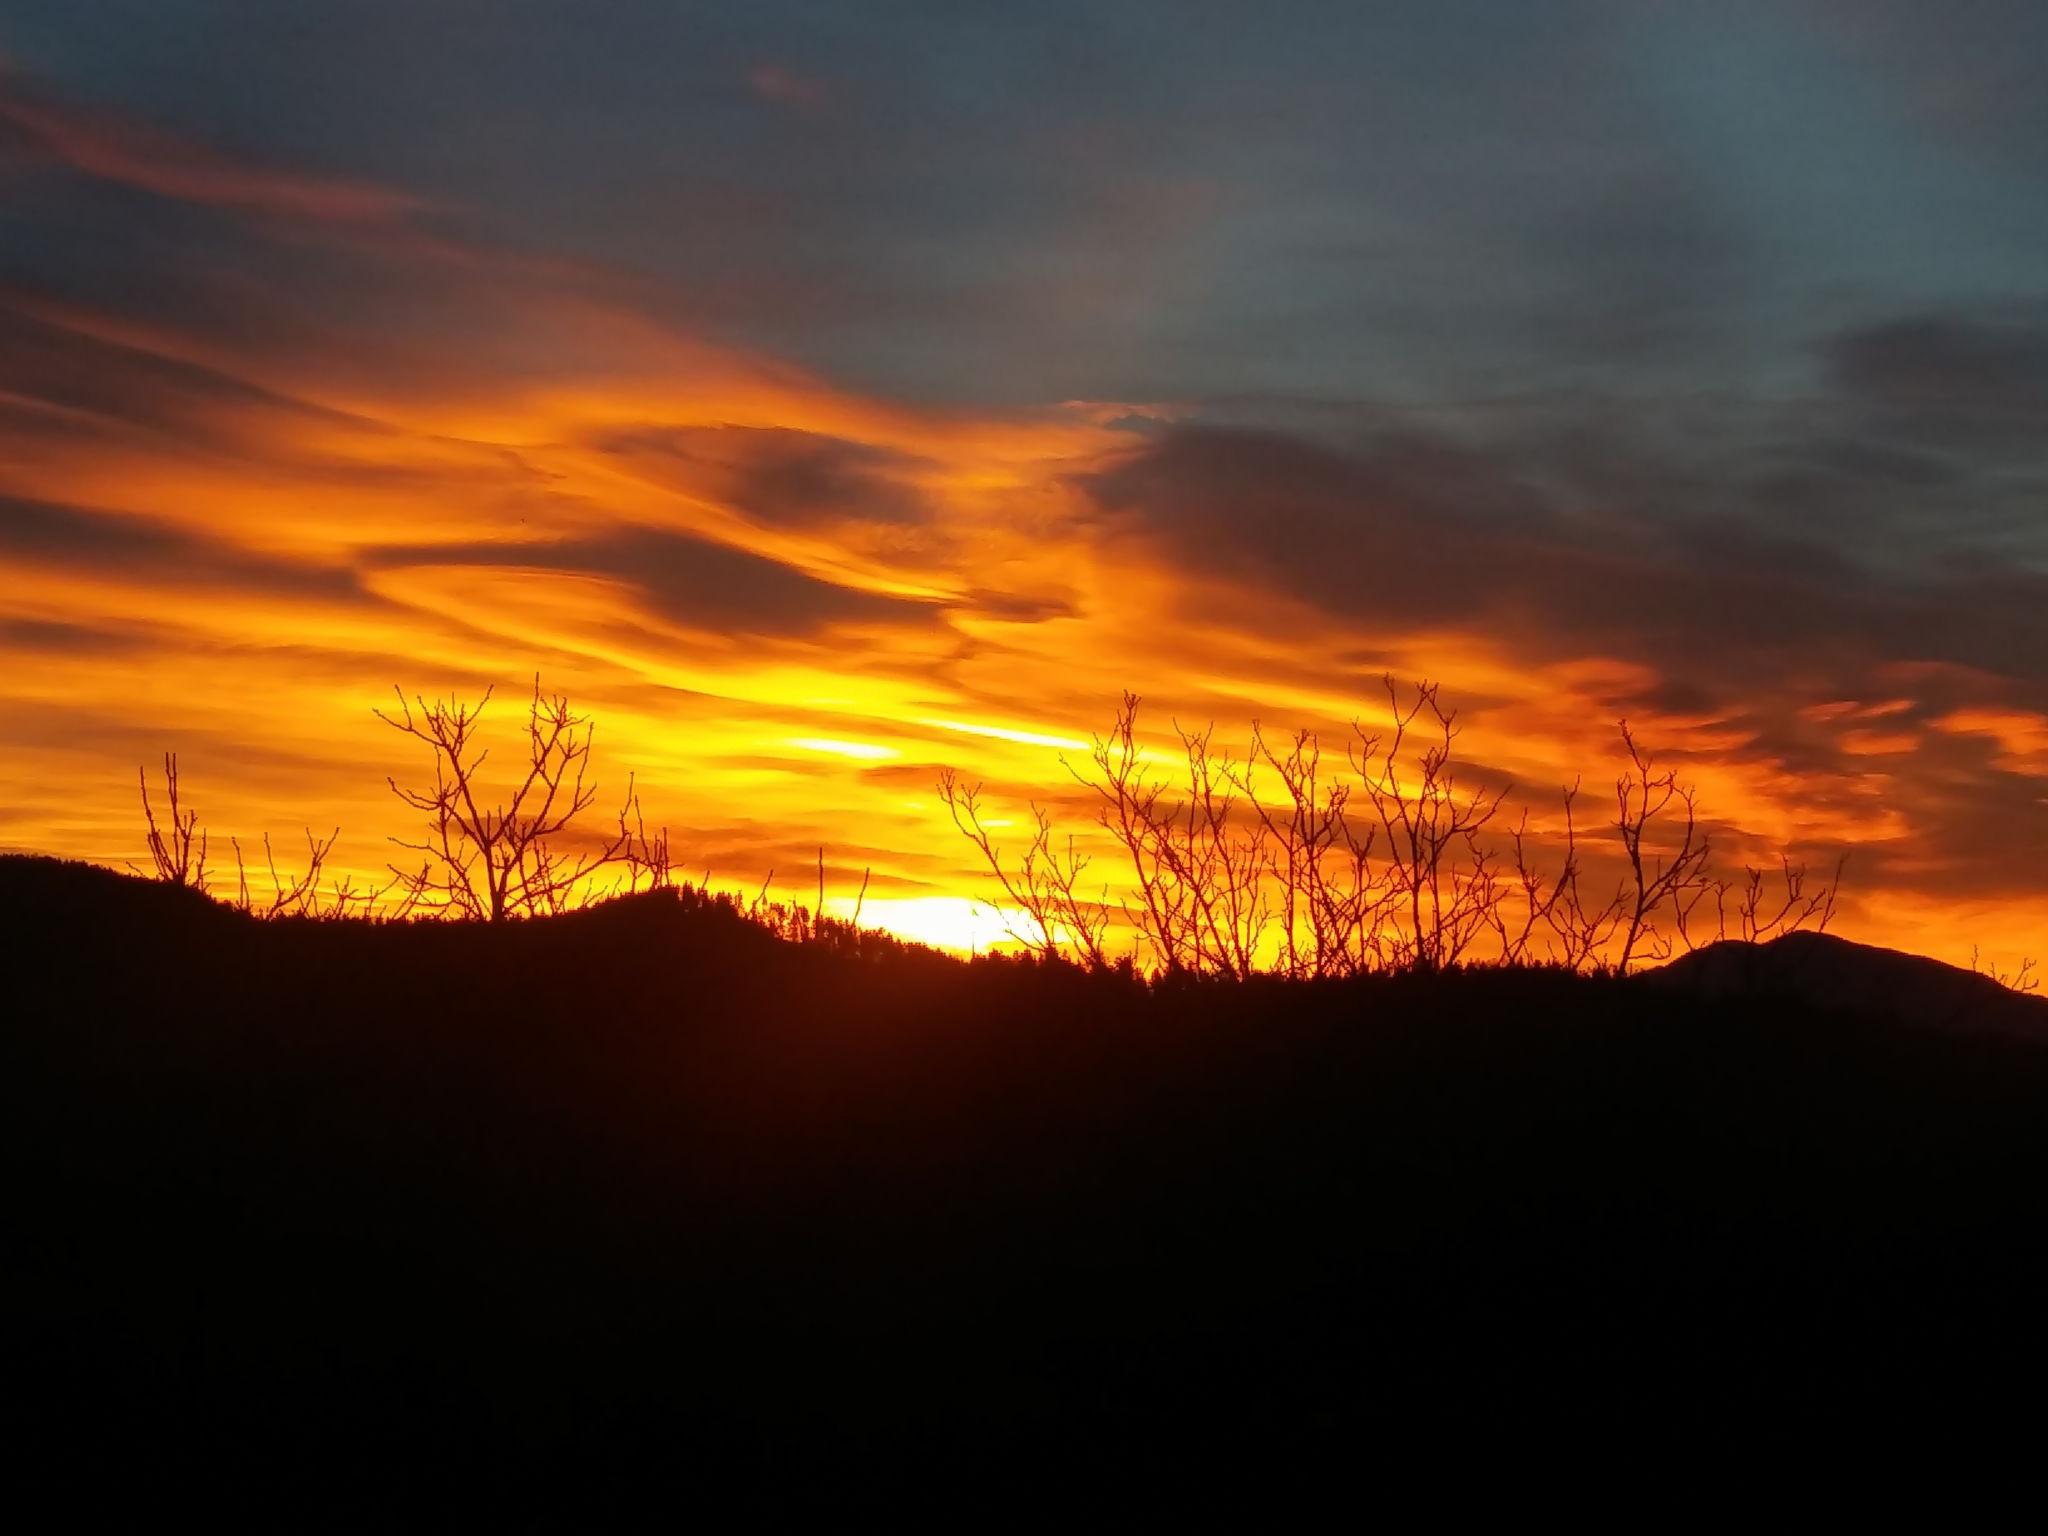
(629,1214)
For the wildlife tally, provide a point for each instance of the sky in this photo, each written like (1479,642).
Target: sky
(824,395)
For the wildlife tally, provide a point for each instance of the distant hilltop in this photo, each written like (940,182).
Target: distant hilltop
(1824,971)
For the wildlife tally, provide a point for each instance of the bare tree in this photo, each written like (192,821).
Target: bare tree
(1444,875)
(1581,929)
(507,859)
(1333,899)
(1540,896)
(1231,875)
(1274,864)
(1043,884)
(1202,865)
(1763,914)
(1647,801)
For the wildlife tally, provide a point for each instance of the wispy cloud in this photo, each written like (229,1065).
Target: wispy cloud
(116,148)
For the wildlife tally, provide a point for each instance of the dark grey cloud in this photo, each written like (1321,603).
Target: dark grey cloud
(121,544)
(94,383)
(691,581)
(1924,445)
(1955,382)
(1399,533)
(777,476)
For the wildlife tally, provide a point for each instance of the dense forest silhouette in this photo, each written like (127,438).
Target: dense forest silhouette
(476,1195)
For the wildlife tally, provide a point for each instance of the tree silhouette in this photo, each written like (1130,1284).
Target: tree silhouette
(1272,863)
(1201,868)
(1646,800)
(1442,874)
(1331,901)
(1761,914)
(509,859)
(1042,885)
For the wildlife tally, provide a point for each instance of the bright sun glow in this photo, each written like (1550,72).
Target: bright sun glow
(864,751)
(945,922)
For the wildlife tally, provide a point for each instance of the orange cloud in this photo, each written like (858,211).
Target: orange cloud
(2022,737)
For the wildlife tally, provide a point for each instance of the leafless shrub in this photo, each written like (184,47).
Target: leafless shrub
(493,862)
(1765,910)
(645,855)
(1043,884)
(1332,899)
(1273,863)
(1444,877)
(178,852)
(2024,979)
(1575,929)
(345,899)
(1658,821)
(177,845)
(291,896)
(1201,869)
(1221,865)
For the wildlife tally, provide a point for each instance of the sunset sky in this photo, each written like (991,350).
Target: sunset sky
(824,394)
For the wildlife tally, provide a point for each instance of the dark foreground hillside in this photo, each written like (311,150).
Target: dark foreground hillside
(644,1209)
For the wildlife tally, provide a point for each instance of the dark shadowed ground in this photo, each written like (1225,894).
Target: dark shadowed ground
(642,1209)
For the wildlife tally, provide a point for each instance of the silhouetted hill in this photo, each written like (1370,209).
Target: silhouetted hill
(1820,970)
(542,1222)
(63,896)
